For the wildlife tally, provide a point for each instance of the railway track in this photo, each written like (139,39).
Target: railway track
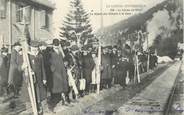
(156,96)
(175,105)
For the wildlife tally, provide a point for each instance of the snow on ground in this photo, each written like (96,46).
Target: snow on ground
(164,59)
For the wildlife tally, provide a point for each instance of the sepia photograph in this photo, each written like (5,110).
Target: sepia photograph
(91,57)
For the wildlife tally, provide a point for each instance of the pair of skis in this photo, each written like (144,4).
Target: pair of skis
(99,67)
(28,73)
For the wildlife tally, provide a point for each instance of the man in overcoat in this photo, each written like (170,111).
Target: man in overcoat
(3,72)
(106,69)
(58,78)
(15,71)
(39,78)
(118,66)
(130,65)
(123,71)
(114,60)
(87,65)
(37,66)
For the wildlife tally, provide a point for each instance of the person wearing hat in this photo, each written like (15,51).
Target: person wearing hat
(72,65)
(15,71)
(114,60)
(143,60)
(3,72)
(106,69)
(117,69)
(57,83)
(87,66)
(122,71)
(39,77)
(94,76)
(109,52)
(37,66)
(140,57)
(131,66)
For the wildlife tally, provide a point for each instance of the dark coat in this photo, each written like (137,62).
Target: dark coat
(106,67)
(3,70)
(131,66)
(123,72)
(153,61)
(46,57)
(114,59)
(114,62)
(87,65)
(15,72)
(37,66)
(58,83)
(118,70)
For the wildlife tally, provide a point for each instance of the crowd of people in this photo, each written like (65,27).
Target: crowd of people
(66,74)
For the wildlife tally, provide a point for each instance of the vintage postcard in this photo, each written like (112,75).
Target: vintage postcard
(91,57)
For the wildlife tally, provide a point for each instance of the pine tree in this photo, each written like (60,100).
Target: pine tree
(77,25)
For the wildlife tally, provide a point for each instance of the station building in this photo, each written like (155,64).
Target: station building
(36,13)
